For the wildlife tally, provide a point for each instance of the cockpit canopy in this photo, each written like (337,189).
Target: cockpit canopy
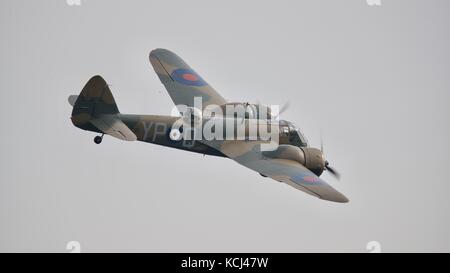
(290,134)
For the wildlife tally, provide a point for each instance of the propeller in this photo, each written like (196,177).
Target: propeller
(283,109)
(327,164)
(321,142)
(332,170)
(243,118)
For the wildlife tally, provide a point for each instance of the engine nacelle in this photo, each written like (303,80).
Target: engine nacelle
(311,158)
(315,161)
(287,152)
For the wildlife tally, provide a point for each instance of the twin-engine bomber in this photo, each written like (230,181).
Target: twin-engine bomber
(277,150)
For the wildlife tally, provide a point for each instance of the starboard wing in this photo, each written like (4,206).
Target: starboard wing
(181,81)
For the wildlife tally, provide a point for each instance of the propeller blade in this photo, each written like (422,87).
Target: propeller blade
(321,142)
(284,107)
(282,110)
(332,171)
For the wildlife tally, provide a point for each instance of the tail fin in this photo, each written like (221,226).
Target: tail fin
(94,100)
(95,110)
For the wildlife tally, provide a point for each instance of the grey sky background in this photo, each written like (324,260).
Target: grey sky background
(375,80)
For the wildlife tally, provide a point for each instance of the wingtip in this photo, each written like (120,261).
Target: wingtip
(336,198)
(156,51)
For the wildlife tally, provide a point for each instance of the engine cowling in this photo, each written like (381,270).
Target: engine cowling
(314,160)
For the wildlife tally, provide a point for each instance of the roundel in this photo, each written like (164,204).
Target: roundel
(187,77)
(310,179)
(306,179)
(175,135)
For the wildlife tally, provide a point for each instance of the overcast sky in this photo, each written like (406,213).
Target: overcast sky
(374,80)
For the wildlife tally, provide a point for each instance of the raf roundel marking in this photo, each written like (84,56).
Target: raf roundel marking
(190,77)
(175,135)
(306,179)
(187,77)
(310,179)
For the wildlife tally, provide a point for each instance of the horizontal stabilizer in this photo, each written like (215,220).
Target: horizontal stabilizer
(72,99)
(113,126)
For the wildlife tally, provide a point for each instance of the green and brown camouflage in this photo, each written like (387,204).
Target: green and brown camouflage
(94,100)
(291,161)
(96,105)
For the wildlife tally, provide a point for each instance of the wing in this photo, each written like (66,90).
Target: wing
(181,81)
(297,176)
(290,172)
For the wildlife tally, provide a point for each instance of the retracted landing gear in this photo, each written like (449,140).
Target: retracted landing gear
(98,139)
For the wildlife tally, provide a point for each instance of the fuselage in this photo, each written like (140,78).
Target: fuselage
(156,129)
